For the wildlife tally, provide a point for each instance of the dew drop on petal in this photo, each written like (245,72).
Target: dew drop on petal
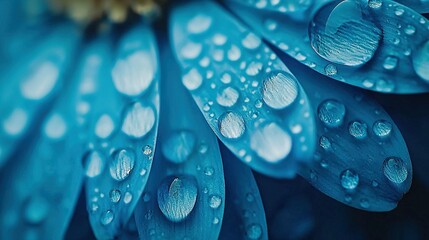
(122,164)
(227,97)
(16,122)
(41,81)
(177,197)
(138,120)
(107,217)
(395,170)
(349,179)
(271,142)
(199,24)
(231,125)
(115,195)
(254,231)
(331,113)
(192,79)
(104,126)
(55,127)
(215,201)
(382,128)
(93,164)
(251,41)
(279,90)
(358,130)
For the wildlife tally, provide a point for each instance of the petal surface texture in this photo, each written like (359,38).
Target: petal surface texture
(33,81)
(250,99)
(244,211)
(378,45)
(119,106)
(361,159)
(185,194)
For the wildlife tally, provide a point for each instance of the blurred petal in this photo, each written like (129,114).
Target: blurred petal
(185,195)
(29,86)
(381,46)
(119,109)
(248,96)
(41,183)
(362,159)
(244,212)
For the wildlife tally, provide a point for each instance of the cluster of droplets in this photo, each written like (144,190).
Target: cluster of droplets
(247,99)
(332,114)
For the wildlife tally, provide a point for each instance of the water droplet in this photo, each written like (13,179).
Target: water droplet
(16,122)
(179,146)
(177,197)
(199,24)
(358,130)
(349,179)
(192,79)
(330,70)
(254,231)
(41,81)
(191,50)
(279,90)
(93,164)
(251,41)
(106,218)
(410,30)
(390,63)
(55,127)
(234,53)
(36,209)
(395,170)
(138,120)
(254,68)
(421,61)
(331,113)
(128,197)
(227,97)
(215,201)
(208,171)
(115,195)
(147,150)
(122,164)
(104,126)
(343,33)
(382,128)
(375,3)
(364,203)
(134,74)
(231,125)
(325,143)
(271,142)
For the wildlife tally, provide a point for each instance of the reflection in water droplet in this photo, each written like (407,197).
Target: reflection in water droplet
(177,197)
(349,179)
(138,120)
(395,170)
(122,164)
(279,90)
(215,201)
(343,34)
(382,128)
(179,146)
(421,61)
(231,125)
(331,113)
(358,130)
(271,142)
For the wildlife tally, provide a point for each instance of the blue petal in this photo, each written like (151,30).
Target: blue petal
(118,107)
(362,159)
(248,96)
(32,83)
(185,194)
(41,183)
(244,212)
(418,5)
(382,46)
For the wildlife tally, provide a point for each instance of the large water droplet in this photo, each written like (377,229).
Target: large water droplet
(279,90)
(343,34)
(421,61)
(93,164)
(349,179)
(122,164)
(231,125)
(179,146)
(138,120)
(177,197)
(134,74)
(395,170)
(331,113)
(271,142)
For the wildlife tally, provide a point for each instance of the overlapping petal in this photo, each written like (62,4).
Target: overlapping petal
(118,109)
(185,194)
(377,45)
(248,96)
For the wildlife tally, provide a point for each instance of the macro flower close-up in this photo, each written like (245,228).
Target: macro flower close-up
(199,119)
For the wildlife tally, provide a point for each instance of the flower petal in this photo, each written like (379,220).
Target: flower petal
(248,96)
(418,5)
(42,182)
(244,212)
(381,46)
(32,83)
(185,194)
(121,127)
(362,159)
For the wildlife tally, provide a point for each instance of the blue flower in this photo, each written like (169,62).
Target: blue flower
(129,105)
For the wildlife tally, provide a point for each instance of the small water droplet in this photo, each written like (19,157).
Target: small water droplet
(325,143)
(128,197)
(375,3)
(106,218)
(251,41)
(395,170)
(115,195)
(390,63)
(410,30)
(215,201)
(231,125)
(191,50)
(192,79)
(147,150)
(349,179)
(227,97)
(254,231)
(208,171)
(122,164)
(279,90)
(55,127)
(104,126)
(330,70)
(199,24)
(138,120)
(358,130)
(382,128)
(331,113)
